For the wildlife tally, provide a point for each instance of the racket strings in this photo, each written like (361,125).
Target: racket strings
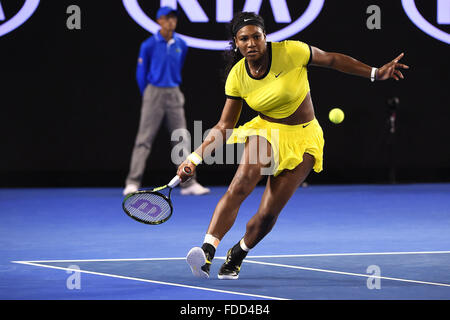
(148,207)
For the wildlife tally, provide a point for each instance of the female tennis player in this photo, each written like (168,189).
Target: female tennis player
(272,78)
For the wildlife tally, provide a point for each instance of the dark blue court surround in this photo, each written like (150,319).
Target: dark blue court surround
(314,251)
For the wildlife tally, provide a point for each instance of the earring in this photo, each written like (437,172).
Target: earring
(235,49)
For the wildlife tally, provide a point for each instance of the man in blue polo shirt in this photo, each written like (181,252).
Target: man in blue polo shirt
(158,74)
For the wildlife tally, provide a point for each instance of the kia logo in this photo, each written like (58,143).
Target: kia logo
(9,24)
(442,17)
(224,13)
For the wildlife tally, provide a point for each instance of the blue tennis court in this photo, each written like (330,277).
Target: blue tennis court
(377,242)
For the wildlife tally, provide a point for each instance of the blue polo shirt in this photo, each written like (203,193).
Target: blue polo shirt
(160,62)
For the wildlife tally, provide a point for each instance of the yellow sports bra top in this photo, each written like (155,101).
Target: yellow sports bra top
(282,88)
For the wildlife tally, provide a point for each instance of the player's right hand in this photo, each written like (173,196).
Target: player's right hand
(186,174)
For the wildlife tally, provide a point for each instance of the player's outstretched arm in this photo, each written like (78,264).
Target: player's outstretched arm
(391,69)
(347,64)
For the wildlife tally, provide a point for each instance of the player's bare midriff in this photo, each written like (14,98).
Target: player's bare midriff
(304,113)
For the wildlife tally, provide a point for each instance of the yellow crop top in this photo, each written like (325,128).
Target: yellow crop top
(282,88)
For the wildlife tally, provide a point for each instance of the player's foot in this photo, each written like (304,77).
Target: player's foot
(199,261)
(195,189)
(130,188)
(230,269)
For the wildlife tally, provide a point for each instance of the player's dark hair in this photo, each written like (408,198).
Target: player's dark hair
(241,19)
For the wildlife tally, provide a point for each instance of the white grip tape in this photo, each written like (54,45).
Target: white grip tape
(174,182)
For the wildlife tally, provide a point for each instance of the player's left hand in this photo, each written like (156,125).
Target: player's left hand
(390,70)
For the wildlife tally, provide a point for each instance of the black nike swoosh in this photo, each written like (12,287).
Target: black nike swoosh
(304,126)
(276,76)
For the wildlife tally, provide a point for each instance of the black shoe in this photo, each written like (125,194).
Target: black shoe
(230,269)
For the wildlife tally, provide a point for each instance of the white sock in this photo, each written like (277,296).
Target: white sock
(209,238)
(243,246)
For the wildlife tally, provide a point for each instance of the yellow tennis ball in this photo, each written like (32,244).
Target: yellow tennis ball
(336,115)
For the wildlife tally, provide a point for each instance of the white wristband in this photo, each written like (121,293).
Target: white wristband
(195,158)
(373,74)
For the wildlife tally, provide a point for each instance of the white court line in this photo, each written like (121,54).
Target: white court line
(101,260)
(347,254)
(150,281)
(346,273)
(37,263)
(248,257)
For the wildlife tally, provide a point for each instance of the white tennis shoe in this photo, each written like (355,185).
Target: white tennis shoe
(196,259)
(195,189)
(130,188)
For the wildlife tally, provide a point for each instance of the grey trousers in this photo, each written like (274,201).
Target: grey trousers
(159,104)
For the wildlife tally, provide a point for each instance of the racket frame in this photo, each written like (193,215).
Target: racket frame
(167,198)
(172,184)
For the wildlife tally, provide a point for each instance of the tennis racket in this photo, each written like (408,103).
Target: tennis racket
(151,206)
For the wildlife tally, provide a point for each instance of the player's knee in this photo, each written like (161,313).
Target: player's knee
(242,185)
(263,221)
(238,190)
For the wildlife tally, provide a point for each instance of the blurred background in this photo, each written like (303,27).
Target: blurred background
(70,104)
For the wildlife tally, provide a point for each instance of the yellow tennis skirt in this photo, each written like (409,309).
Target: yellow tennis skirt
(289,142)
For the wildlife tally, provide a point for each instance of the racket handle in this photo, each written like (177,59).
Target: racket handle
(176,180)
